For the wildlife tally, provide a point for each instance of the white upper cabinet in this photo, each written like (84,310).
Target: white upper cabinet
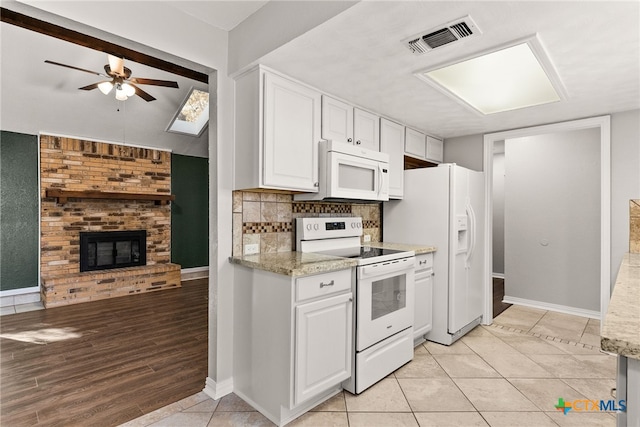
(392,143)
(337,120)
(435,150)
(277,133)
(415,144)
(366,129)
(422,146)
(342,122)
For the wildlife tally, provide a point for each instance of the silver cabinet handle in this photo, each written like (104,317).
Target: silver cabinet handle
(331,283)
(316,184)
(349,139)
(358,142)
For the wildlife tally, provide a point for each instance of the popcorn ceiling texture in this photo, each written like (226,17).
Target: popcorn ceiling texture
(268,219)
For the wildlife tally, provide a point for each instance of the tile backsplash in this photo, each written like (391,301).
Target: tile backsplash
(634,226)
(268,219)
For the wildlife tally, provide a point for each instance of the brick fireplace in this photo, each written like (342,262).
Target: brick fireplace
(89,186)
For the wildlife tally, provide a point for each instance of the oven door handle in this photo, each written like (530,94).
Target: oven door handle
(387,267)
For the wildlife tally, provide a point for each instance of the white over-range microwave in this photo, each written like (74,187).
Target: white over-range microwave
(350,172)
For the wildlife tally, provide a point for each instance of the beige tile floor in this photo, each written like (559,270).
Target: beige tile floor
(508,374)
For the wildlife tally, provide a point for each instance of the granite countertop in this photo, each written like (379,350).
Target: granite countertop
(621,329)
(304,264)
(294,263)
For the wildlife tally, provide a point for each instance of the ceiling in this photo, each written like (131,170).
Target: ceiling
(357,56)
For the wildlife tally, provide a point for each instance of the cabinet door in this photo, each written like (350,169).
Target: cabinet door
(337,120)
(423,309)
(323,345)
(291,135)
(366,129)
(434,150)
(415,144)
(392,143)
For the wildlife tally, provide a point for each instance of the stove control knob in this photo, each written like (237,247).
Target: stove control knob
(353,225)
(316,227)
(359,225)
(309,227)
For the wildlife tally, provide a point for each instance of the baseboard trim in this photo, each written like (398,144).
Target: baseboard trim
(552,307)
(216,390)
(498,276)
(194,273)
(20,291)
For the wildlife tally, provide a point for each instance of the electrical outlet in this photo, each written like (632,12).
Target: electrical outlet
(251,249)
(367,237)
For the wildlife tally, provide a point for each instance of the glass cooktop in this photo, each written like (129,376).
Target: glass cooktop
(361,252)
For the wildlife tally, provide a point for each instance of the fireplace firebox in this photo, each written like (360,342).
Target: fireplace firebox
(112,249)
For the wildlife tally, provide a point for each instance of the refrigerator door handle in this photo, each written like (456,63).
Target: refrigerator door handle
(472,234)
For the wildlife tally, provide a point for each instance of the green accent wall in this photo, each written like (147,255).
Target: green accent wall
(18,211)
(190,211)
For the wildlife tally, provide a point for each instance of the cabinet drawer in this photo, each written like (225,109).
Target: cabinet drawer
(323,284)
(424,262)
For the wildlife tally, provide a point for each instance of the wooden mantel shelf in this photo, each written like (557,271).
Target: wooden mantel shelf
(63,195)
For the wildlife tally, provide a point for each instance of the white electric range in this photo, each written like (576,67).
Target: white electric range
(383,292)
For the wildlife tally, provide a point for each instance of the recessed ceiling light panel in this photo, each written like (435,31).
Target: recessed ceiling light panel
(517,76)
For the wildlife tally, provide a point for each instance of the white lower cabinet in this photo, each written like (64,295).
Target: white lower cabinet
(423,308)
(292,339)
(323,345)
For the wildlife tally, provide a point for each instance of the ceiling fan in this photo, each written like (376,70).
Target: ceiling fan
(120,78)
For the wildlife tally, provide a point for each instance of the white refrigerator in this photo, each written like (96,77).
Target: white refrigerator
(443,206)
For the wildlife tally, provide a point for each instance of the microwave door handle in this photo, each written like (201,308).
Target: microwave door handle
(379,179)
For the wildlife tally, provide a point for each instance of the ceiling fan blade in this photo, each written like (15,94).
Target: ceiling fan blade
(142,94)
(75,68)
(90,87)
(116,64)
(154,82)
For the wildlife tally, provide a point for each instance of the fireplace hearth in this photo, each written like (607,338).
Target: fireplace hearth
(112,249)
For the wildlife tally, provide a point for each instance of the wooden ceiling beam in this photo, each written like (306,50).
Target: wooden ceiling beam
(61,33)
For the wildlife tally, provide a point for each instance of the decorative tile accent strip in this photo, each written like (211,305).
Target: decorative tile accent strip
(366,223)
(324,208)
(266,227)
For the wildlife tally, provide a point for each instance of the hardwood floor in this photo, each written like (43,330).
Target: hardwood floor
(498,294)
(106,362)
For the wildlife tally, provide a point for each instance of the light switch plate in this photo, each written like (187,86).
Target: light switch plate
(367,237)
(251,249)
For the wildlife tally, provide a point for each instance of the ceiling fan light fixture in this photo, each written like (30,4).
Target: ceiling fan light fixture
(120,93)
(128,89)
(105,87)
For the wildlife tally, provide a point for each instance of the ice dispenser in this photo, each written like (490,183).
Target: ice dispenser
(463,234)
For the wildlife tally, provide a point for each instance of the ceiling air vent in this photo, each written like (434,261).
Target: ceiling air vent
(442,35)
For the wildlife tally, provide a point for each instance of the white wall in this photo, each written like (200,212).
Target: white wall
(552,219)
(275,24)
(625,181)
(466,151)
(625,173)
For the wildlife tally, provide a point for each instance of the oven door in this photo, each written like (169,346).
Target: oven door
(353,177)
(385,293)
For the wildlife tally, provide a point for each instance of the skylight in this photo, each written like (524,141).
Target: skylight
(193,114)
(507,79)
